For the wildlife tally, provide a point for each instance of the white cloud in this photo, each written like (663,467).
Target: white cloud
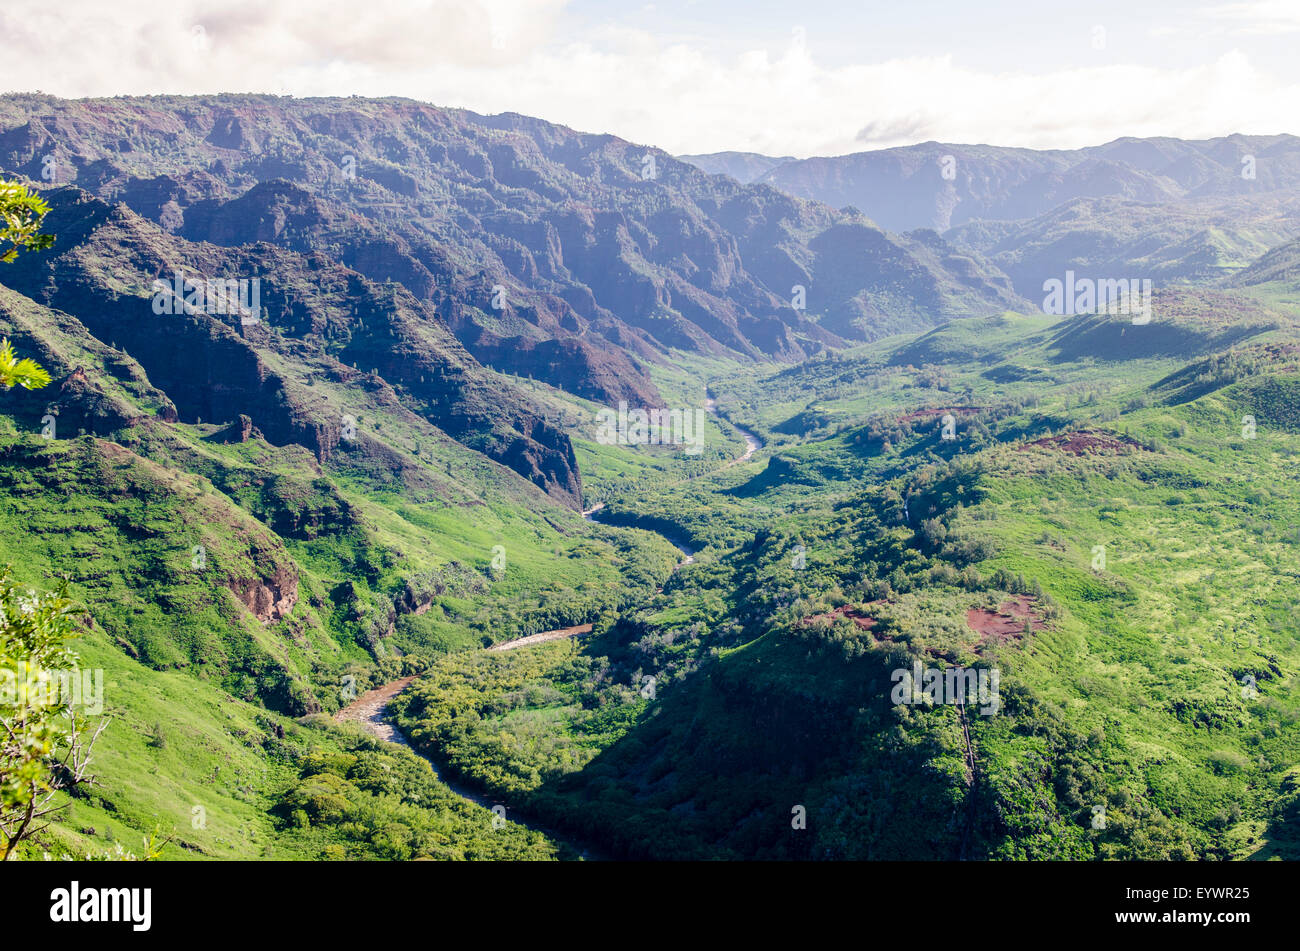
(513,55)
(1259,16)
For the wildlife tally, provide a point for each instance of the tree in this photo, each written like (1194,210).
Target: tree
(26,373)
(21,213)
(44,749)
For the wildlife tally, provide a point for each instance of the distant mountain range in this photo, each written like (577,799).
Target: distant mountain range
(1178,211)
(937,185)
(744,167)
(1185,240)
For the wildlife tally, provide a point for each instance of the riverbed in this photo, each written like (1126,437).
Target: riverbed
(371,708)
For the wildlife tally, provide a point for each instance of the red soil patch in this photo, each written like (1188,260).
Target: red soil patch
(1007,624)
(939,411)
(1004,626)
(1084,441)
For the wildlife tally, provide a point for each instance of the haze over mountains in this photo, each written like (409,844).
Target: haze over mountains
(1173,210)
(907,188)
(744,167)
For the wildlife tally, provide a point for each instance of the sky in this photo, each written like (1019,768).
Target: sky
(690,76)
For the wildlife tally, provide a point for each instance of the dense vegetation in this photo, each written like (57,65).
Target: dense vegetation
(262,519)
(1143,716)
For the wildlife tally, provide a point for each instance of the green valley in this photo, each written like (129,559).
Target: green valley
(664,516)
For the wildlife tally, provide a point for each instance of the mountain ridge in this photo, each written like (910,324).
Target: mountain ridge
(523,234)
(908,187)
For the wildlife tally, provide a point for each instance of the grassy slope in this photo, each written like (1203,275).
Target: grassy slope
(189,671)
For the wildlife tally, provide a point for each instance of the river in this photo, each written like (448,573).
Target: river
(752,443)
(370,711)
(371,708)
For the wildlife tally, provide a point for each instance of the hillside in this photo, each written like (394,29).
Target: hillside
(329,320)
(258,529)
(1279,266)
